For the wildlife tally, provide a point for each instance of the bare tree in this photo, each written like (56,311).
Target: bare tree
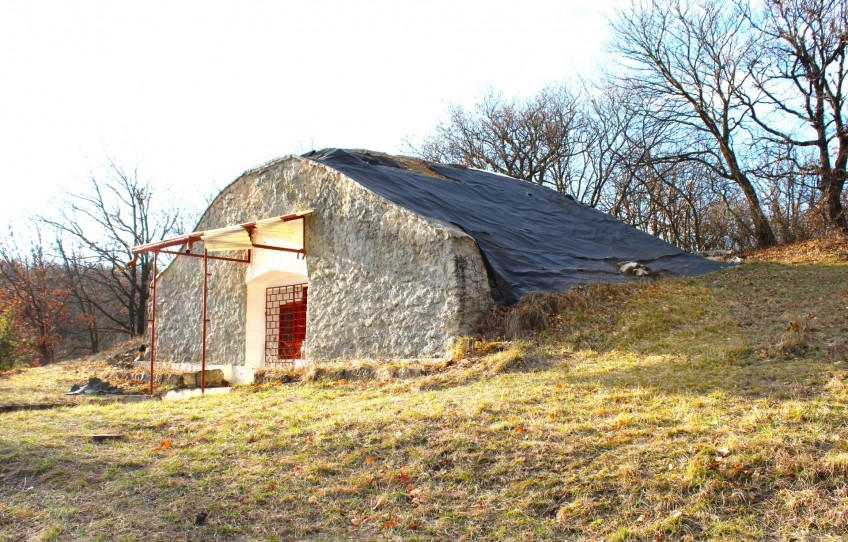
(116,213)
(637,175)
(609,126)
(688,60)
(86,296)
(612,154)
(536,140)
(800,70)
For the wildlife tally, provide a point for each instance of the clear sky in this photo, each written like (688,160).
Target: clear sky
(195,92)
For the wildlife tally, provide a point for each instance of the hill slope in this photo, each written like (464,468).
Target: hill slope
(710,408)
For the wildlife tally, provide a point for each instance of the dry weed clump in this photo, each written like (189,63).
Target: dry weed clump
(537,311)
(511,359)
(794,342)
(473,347)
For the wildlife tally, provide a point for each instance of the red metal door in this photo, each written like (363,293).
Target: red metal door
(292,328)
(285,324)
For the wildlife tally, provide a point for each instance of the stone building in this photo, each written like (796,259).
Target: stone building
(352,254)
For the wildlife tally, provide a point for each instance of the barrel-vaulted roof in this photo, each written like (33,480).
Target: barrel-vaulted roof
(531,238)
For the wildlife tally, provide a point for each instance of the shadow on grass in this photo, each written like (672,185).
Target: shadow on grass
(109,491)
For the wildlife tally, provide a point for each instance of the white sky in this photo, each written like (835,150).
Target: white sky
(194,93)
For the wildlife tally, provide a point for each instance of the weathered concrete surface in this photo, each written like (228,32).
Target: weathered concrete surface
(383,281)
(176,395)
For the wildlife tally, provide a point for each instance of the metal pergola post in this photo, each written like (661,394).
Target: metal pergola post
(153,321)
(205,320)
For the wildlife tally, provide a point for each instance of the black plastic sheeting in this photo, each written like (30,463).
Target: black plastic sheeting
(532,238)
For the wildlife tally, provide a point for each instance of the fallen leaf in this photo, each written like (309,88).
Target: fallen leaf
(559,386)
(252,439)
(355,522)
(413,526)
(370,459)
(390,523)
(165,443)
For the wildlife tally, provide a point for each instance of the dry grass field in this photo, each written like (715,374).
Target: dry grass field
(711,408)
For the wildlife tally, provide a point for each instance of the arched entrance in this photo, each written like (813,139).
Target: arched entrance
(285,323)
(276,316)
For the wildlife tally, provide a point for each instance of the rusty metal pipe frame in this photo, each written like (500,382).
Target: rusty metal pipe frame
(223,258)
(205,321)
(191,238)
(153,322)
(159,245)
(157,248)
(299,251)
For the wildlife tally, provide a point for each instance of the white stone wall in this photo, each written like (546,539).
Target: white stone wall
(383,281)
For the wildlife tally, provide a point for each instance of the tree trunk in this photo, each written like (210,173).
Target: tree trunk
(763,233)
(132,322)
(46,353)
(832,186)
(141,313)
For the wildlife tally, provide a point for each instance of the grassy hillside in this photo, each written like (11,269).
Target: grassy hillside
(700,409)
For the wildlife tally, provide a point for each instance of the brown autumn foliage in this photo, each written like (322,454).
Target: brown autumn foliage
(33,301)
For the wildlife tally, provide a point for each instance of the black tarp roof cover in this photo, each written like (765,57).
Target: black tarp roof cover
(532,238)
